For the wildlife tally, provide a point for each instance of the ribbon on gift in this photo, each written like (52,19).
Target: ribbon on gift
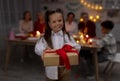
(62,53)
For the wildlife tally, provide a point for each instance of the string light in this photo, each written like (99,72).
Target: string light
(92,18)
(81,19)
(92,6)
(97,16)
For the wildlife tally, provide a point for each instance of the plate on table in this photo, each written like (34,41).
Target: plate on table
(21,36)
(32,38)
(75,36)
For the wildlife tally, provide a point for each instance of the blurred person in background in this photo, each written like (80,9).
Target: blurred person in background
(25,27)
(39,24)
(26,24)
(70,24)
(87,26)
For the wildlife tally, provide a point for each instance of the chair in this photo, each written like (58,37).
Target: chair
(108,69)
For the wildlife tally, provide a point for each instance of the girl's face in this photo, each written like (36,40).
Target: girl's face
(56,22)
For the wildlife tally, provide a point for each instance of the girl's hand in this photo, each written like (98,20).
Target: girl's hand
(42,56)
(48,48)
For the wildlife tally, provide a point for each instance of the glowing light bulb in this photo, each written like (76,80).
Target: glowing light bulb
(94,20)
(92,7)
(100,8)
(91,17)
(81,19)
(87,36)
(85,3)
(37,34)
(78,41)
(88,5)
(81,36)
(97,16)
(90,41)
(82,1)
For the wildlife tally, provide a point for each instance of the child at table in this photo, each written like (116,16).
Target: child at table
(55,37)
(107,42)
(107,45)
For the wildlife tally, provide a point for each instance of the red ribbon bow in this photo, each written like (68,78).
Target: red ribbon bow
(63,56)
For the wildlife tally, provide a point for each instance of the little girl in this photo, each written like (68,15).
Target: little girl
(55,37)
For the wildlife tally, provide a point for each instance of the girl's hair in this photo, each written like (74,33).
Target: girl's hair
(48,30)
(24,14)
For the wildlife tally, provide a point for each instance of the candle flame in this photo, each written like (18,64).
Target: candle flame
(81,36)
(78,41)
(37,34)
(81,19)
(87,36)
(90,40)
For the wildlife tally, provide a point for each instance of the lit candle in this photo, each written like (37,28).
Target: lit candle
(81,36)
(82,40)
(87,36)
(90,41)
(37,34)
(81,19)
(78,41)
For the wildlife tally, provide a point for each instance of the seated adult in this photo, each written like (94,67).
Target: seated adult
(39,24)
(70,24)
(87,26)
(26,24)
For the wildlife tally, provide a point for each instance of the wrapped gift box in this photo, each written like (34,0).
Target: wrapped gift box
(52,59)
